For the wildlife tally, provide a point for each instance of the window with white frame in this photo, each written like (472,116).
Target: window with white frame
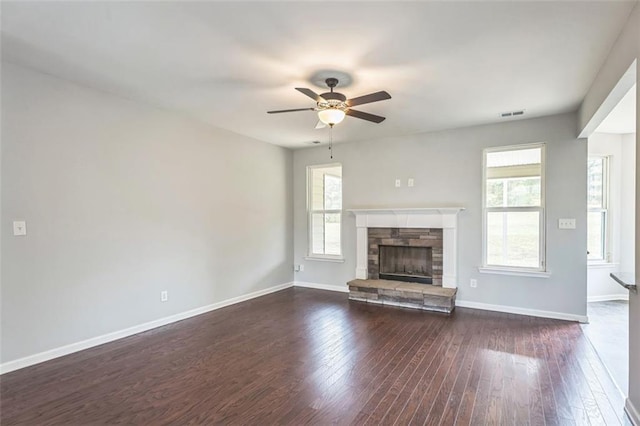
(325,210)
(514,236)
(598,213)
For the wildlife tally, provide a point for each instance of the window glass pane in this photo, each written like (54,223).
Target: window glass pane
(495,192)
(596,225)
(332,192)
(523,192)
(332,233)
(519,192)
(317,189)
(595,183)
(325,194)
(317,233)
(513,239)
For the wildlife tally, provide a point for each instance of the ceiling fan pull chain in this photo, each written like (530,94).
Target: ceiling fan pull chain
(331,141)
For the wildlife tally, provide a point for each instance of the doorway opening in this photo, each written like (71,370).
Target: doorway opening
(611,170)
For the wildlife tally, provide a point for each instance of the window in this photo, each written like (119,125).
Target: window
(598,214)
(514,208)
(325,211)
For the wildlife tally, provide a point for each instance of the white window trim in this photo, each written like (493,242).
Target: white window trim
(519,272)
(325,258)
(606,209)
(540,271)
(314,256)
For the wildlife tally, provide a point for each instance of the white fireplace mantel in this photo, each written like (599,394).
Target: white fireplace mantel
(428,217)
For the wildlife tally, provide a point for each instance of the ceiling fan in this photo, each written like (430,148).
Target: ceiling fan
(333,106)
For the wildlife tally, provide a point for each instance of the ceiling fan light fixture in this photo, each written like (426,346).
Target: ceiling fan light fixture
(331,116)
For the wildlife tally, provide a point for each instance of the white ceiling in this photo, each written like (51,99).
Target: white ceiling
(622,119)
(446,64)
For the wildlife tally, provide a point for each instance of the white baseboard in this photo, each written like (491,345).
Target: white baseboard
(608,297)
(521,311)
(330,287)
(110,337)
(632,412)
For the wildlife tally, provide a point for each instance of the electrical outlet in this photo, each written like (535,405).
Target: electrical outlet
(164,296)
(410,182)
(298,268)
(19,227)
(398,183)
(473,283)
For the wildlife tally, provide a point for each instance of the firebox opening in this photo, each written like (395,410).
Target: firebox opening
(402,263)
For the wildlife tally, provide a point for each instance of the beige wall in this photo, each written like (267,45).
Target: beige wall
(122,201)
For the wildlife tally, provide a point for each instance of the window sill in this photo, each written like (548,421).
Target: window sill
(514,272)
(602,265)
(325,259)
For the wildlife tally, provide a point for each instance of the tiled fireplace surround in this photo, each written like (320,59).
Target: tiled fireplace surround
(428,221)
(406,237)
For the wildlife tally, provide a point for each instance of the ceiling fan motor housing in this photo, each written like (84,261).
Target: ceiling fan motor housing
(334,96)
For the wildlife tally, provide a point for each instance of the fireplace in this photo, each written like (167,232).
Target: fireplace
(444,220)
(405,254)
(409,264)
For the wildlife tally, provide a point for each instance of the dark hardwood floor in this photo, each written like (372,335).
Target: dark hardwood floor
(304,356)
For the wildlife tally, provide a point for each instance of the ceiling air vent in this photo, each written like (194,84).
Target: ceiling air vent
(512,114)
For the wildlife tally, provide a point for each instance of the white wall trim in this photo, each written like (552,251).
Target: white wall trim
(632,412)
(522,311)
(607,297)
(110,337)
(330,287)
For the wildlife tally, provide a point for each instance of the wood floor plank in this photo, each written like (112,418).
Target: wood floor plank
(303,356)
(455,399)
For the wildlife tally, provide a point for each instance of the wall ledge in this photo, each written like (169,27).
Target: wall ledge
(116,335)
(607,297)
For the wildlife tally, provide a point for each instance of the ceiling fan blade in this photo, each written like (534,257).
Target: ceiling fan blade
(367,99)
(290,110)
(365,116)
(320,125)
(310,93)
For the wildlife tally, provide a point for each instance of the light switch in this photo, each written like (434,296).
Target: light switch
(566,224)
(410,182)
(398,183)
(19,227)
